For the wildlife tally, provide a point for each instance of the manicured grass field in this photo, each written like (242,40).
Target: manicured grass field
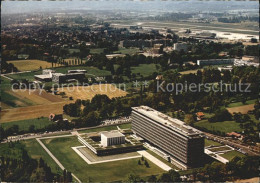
(30,65)
(237,104)
(225,126)
(96,50)
(163,160)
(211,143)
(104,172)
(27,75)
(144,69)
(231,154)
(107,128)
(25,124)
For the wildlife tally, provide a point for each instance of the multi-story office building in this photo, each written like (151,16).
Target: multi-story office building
(183,143)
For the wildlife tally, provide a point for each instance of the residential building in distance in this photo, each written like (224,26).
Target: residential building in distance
(112,138)
(215,61)
(184,144)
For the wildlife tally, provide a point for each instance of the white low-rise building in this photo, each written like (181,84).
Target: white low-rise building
(112,138)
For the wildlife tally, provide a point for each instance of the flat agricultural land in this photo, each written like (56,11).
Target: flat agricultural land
(30,65)
(31,112)
(23,98)
(231,154)
(88,92)
(103,172)
(243,109)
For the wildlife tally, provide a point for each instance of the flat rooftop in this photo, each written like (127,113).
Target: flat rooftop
(43,76)
(167,121)
(112,134)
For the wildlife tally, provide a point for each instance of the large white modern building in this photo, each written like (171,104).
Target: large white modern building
(183,143)
(112,138)
(216,61)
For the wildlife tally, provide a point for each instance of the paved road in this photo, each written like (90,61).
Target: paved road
(156,161)
(54,158)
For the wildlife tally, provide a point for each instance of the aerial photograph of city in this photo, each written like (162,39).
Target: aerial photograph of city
(129,91)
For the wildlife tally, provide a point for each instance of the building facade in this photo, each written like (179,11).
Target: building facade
(216,61)
(112,138)
(184,144)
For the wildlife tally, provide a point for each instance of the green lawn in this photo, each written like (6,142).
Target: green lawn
(129,51)
(225,126)
(5,84)
(25,124)
(144,69)
(107,128)
(104,172)
(211,143)
(237,104)
(231,154)
(26,75)
(163,160)
(96,50)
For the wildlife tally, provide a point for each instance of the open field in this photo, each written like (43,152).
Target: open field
(243,109)
(26,75)
(144,69)
(211,143)
(231,154)
(225,126)
(25,124)
(23,98)
(31,112)
(88,92)
(237,104)
(96,50)
(104,172)
(29,65)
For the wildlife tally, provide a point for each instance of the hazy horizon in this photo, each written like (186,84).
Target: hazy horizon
(12,7)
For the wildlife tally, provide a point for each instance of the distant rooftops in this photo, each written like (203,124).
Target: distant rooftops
(173,123)
(112,134)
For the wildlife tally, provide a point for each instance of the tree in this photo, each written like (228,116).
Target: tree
(189,119)
(133,178)
(146,164)
(139,162)
(32,128)
(170,176)
(152,178)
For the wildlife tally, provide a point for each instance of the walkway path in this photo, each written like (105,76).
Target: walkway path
(54,158)
(156,161)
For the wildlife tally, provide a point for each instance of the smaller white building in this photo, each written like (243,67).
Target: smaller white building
(112,138)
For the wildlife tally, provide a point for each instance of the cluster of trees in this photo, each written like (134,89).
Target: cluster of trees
(170,176)
(221,115)
(15,130)
(237,168)
(25,169)
(99,108)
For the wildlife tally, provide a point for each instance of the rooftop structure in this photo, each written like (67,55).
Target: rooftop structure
(112,138)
